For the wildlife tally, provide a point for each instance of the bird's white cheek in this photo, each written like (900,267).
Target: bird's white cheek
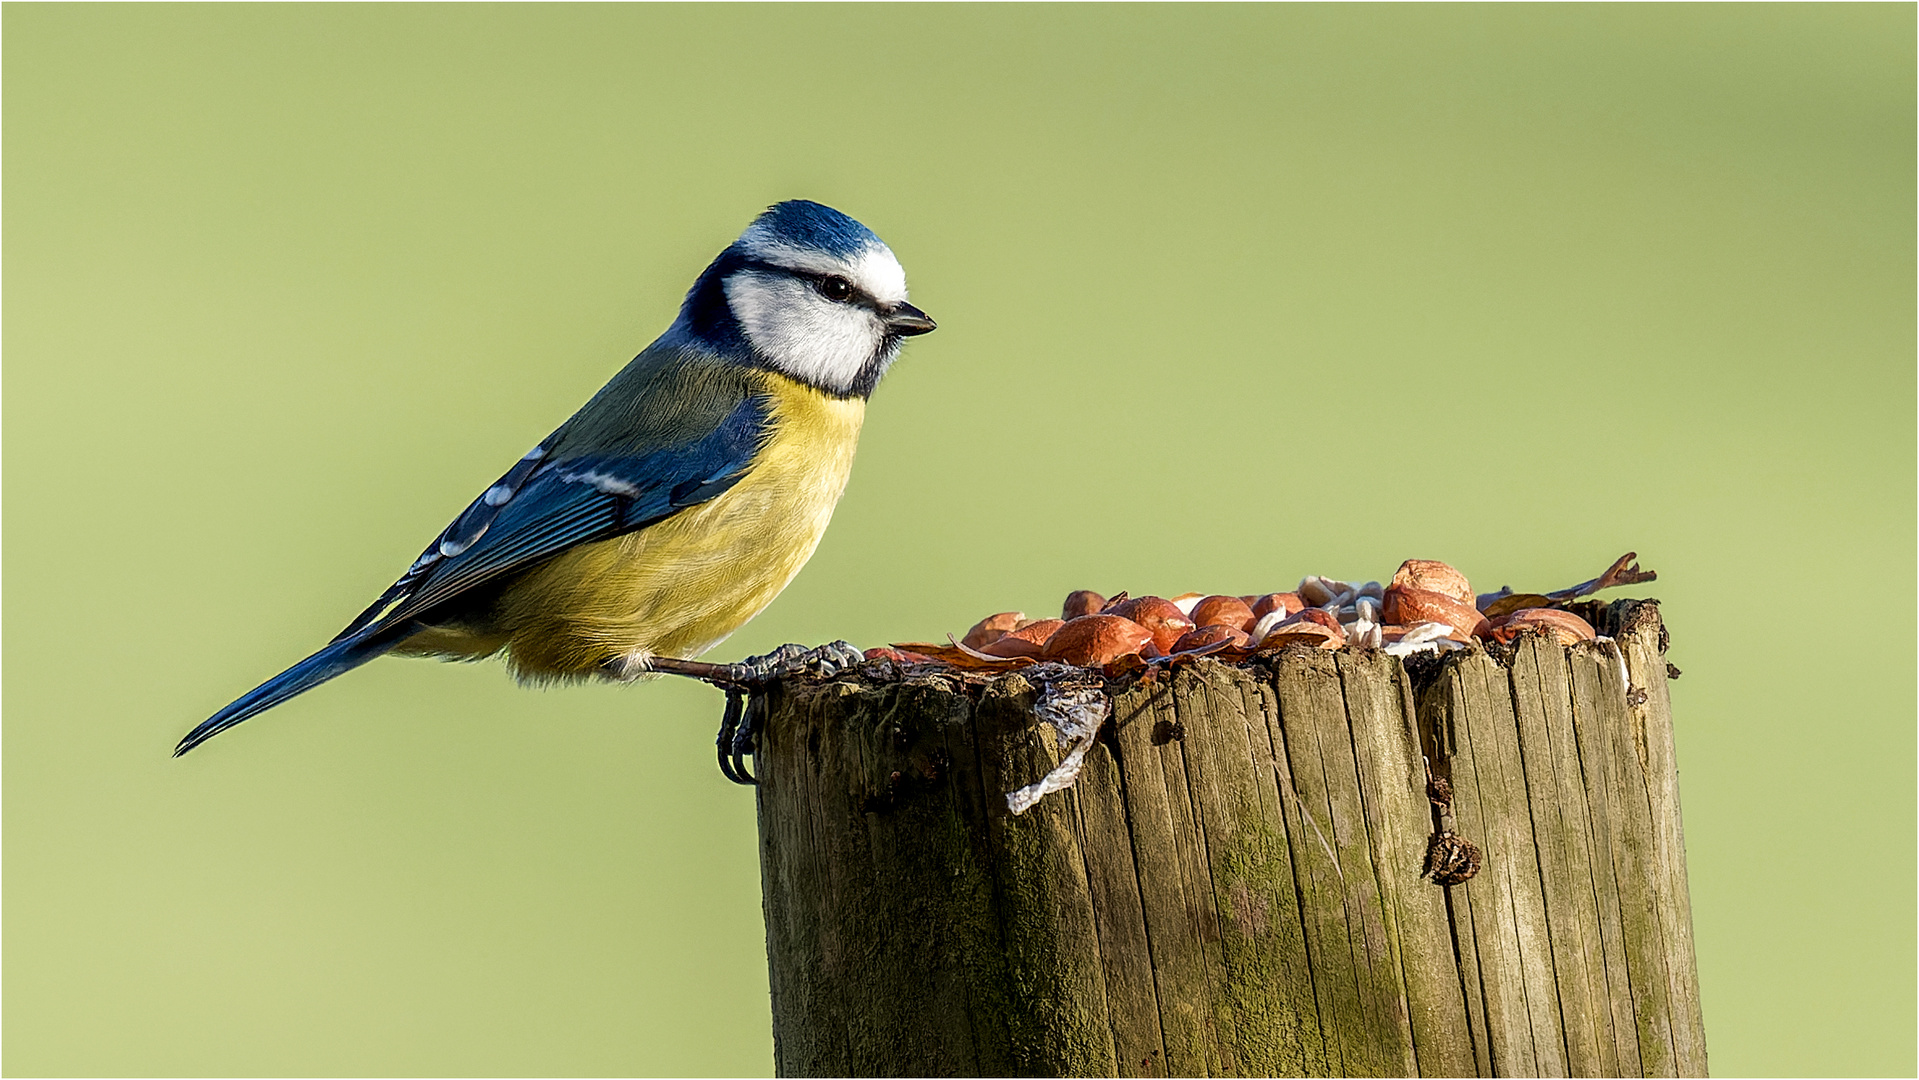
(804,334)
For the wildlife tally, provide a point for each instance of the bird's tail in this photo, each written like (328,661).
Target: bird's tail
(337,658)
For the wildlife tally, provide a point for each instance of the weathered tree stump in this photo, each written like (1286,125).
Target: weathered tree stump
(1233,886)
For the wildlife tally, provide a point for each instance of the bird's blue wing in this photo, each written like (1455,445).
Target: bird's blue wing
(550,502)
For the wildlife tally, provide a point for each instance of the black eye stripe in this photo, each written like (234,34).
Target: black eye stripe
(830,286)
(818,279)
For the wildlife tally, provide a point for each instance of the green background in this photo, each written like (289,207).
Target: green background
(1226,296)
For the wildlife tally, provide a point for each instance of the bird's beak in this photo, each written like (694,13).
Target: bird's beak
(907,320)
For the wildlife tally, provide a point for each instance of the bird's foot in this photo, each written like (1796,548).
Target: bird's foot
(756,673)
(746,684)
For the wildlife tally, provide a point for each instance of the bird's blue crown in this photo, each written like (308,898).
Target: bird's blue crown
(804,223)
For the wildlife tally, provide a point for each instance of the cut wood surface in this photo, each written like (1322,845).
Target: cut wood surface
(1233,885)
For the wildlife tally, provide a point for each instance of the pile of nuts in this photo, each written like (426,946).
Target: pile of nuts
(1427,607)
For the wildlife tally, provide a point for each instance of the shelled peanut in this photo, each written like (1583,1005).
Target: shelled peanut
(1425,606)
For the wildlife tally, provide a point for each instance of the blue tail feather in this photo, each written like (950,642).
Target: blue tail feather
(337,658)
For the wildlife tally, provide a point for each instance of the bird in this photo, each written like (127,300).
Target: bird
(677,502)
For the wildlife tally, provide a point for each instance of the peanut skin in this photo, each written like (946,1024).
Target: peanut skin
(1028,640)
(1570,629)
(1405,606)
(1224,611)
(1312,626)
(1096,640)
(1289,602)
(1160,616)
(1434,576)
(992,628)
(1082,602)
(1200,637)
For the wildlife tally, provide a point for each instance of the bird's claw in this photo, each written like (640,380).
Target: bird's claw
(746,684)
(736,738)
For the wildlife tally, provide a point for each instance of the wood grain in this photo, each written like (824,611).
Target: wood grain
(1232,886)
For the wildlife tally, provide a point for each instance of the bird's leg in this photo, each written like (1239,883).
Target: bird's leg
(756,673)
(746,684)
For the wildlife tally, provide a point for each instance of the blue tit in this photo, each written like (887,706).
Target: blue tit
(679,501)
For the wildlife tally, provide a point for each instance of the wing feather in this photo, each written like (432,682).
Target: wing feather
(673,429)
(562,501)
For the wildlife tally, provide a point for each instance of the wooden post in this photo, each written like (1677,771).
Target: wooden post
(1233,885)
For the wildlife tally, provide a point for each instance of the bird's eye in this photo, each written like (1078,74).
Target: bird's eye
(836,289)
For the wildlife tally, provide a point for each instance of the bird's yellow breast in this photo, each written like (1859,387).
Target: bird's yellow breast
(680,586)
